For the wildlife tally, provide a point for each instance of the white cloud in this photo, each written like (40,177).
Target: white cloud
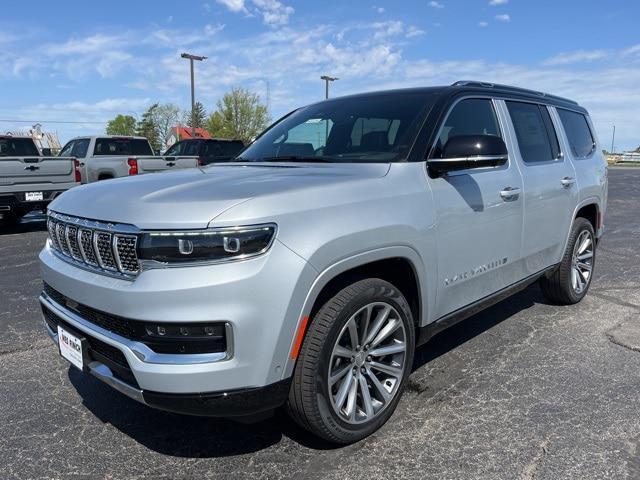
(387,29)
(233,5)
(414,31)
(503,18)
(483,24)
(274,12)
(494,3)
(206,7)
(579,56)
(435,4)
(380,10)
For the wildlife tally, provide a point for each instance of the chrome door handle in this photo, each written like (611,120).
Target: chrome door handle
(567,181)
(510,193)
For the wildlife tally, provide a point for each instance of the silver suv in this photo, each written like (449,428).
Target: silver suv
(306,272)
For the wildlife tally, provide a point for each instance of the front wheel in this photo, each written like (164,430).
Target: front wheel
(570,282)
(354,362)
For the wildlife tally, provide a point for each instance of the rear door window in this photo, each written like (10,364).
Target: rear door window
(18,147)
(534,131)
(578,132)
(122,146)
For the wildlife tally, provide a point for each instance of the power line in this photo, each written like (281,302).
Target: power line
(53,121)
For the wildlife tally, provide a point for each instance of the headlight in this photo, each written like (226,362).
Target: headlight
(202,246)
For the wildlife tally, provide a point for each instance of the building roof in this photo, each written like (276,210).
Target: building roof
(184,133)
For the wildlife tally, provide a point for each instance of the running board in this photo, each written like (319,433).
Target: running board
(428,331)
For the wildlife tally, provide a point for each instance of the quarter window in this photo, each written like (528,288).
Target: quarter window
(473,116)
(578,132)
(535,133)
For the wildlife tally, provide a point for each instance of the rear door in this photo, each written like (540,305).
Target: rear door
(550,191)
(479,227)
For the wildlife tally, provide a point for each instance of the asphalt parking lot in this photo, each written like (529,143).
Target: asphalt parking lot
(523,390)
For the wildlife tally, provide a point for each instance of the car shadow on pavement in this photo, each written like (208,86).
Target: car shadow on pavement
(184,435)
(204,437)
(464,331)
(31,223)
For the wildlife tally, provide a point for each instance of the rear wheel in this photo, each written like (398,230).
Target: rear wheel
(570,282)
(354,362)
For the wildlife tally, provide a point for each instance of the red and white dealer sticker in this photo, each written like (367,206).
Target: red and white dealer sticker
(70,347)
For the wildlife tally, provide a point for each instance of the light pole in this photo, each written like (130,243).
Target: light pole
(193,94)
(327,79)
(613,140)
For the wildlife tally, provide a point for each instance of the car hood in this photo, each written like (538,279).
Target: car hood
(191,198)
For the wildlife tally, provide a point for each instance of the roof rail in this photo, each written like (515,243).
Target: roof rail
(509,88)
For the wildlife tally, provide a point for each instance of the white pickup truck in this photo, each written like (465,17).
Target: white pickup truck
(108,156)
(29,181)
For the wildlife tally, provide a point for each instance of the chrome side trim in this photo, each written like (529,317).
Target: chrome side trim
(140,350)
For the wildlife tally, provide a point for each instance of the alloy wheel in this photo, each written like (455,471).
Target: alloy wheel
(367,363)
(582,262)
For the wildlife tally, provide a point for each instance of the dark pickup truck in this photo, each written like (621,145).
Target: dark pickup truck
(208,150)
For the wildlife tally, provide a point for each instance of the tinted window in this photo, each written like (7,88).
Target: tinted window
(75,148)
(473,116)
(367,128)
(578,132)
(186,148)
(18,147)
(122,146)
(534,131)
(230,149)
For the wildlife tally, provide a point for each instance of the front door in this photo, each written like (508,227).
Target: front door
(479,215)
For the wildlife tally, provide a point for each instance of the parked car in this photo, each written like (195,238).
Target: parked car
(108,156)
(208,150)
(28,180)
(307,272)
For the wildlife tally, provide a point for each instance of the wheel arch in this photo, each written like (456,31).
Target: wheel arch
(400,265)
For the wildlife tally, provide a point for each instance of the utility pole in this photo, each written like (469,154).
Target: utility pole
(193,93)
(613,140)
(327,79)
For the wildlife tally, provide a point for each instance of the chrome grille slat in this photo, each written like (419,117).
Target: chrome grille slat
(93,246)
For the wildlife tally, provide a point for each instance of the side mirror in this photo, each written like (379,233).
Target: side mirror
(470,151)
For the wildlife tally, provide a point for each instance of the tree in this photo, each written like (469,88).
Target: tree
(122,125)
(239,115)
(165,117)
(199,117)
(147,128)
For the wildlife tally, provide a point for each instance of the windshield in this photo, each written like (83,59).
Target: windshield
(375,128)
(18,147)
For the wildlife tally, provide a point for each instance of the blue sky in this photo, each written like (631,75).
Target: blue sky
(87,61)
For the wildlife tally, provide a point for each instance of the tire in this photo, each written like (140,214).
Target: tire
(313,402)
(560,286)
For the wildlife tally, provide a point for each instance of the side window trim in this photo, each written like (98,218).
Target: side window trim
(443,122)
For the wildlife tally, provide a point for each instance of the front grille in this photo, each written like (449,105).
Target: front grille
(100,351)
(172,341)
(94,245)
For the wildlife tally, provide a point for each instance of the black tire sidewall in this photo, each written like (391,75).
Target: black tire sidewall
(380,291)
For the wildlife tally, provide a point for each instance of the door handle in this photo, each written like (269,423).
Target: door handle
(510,193)
(567,181)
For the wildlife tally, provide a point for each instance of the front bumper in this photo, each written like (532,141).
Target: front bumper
(256,298)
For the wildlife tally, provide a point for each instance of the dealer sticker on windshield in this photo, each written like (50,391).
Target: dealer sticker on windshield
(70,347)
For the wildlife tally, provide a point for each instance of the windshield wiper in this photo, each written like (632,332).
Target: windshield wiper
(296,158)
